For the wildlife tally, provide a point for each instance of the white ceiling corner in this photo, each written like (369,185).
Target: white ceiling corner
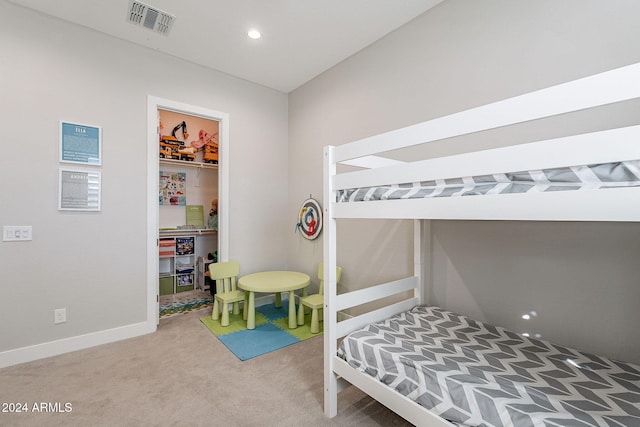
(300,38)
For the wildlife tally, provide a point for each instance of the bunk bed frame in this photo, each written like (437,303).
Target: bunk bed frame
(613,204)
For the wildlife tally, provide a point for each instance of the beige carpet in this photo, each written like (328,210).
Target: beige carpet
(182,376)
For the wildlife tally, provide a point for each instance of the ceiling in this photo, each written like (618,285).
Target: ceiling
(300,38)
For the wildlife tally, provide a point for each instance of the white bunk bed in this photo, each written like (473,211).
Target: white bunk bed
(356,190)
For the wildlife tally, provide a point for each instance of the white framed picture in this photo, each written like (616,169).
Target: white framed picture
(79,190)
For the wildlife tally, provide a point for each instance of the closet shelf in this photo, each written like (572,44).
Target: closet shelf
(199,165)
(186,232)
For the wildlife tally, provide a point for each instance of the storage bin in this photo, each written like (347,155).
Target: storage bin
(166,285)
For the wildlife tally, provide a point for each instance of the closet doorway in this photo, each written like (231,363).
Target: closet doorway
(161,113)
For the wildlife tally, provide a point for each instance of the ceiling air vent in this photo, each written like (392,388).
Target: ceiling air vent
(150,17)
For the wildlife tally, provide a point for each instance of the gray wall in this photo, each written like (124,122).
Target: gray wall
(94,264)
(581,279)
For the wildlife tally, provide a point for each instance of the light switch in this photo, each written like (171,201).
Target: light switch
(9,233)
(25,232)
(15,233)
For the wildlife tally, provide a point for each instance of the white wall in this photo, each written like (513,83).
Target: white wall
(462,54)
(94,264)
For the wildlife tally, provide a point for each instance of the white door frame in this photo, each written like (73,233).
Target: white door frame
(153,219)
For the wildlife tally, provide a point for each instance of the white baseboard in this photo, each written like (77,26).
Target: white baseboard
(66,345)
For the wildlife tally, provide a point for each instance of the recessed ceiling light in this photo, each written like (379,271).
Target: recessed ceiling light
(254,34)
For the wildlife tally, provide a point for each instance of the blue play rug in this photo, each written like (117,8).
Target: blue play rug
(271,333)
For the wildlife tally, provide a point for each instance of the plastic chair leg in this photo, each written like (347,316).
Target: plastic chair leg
(225,315)
(315,325)
(301,314)
(245,306)
(215,315)
(251,311)
(307,310)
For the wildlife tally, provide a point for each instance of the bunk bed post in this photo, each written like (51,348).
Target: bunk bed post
(330,291)
(421,250)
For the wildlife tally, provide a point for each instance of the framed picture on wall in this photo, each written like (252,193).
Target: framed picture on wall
(80,143)
(79,190)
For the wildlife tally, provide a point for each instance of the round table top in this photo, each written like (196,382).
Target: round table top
(274,281)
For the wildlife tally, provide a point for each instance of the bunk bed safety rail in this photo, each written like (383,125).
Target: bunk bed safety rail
(612,86)
(373,293)
(614,145)
(614,204)
(606,160)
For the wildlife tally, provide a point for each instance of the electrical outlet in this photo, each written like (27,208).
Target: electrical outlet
(60,315)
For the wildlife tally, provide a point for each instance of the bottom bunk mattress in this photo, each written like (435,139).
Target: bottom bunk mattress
(475,374)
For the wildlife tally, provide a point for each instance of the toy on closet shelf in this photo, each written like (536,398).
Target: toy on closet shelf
(213,215)
(173,148)
(210,144)
(187,153)
(167,148)
(201,141)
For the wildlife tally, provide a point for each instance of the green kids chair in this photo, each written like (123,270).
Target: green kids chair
(316,301)
(225,275)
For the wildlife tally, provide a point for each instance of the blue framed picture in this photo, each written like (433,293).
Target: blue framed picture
(80,143)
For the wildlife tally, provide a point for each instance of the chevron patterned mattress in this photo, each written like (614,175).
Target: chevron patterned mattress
(584,177)
(475,374)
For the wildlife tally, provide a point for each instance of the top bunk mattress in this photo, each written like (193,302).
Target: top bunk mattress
(570,178)
(472,373)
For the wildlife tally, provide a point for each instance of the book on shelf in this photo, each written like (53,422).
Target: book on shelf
(195,215)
